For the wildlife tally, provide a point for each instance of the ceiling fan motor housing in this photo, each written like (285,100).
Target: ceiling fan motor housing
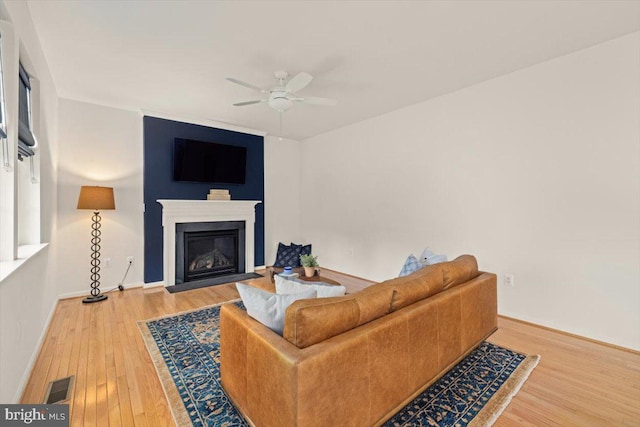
(279,101)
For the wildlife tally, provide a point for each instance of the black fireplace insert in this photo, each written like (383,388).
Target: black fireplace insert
(209,249)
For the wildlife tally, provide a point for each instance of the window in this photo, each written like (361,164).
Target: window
(28,195)
(6,159)
(19,124)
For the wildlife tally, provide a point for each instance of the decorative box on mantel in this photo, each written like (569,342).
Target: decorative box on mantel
(186,211)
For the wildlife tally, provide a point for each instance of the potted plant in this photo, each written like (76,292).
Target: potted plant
(309,262)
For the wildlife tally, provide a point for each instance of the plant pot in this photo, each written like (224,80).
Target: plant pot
(309,271)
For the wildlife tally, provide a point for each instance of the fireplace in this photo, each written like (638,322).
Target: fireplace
(209,249)
(184,212)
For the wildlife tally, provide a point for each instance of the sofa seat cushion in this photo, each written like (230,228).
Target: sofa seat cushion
(415,287)
(460,270)
(312,321)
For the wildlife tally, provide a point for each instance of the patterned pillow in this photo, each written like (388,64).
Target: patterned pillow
(410,265)
(287,256)
(304,250)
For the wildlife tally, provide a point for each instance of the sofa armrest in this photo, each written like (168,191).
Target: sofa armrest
(258,368)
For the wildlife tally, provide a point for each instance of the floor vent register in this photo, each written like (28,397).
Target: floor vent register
(59,390)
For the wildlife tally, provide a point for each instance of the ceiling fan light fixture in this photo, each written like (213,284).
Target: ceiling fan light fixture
(280,104)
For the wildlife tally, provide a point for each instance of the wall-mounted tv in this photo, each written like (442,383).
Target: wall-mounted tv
(198,161)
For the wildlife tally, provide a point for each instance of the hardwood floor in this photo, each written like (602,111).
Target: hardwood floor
(577,383)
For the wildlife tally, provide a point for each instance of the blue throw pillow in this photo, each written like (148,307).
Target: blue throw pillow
(410,265)
(304,250)
(287,256)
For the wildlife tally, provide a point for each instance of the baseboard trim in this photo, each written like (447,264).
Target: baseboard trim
(569,334)
(153,285)
(103,291)
(34,356)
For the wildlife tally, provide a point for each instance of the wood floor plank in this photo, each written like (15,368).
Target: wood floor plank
(100,367)
(577,382)
(77,406)
(38,378)
(91,393)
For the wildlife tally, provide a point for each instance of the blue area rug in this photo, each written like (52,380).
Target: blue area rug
(186,353)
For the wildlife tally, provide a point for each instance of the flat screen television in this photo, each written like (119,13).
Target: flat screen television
(198,161)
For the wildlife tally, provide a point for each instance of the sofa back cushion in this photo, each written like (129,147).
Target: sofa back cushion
(312,321)
(373,302)
(430,280)
(415,287)
(460,270)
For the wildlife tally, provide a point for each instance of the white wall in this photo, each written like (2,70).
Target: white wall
(28,296)
(537,173)
(281,194)
(103,146)
(99,146)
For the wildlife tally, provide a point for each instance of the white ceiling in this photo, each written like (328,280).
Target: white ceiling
(372,56)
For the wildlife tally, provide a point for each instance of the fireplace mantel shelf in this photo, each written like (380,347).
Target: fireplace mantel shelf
(207,207)
(185,211)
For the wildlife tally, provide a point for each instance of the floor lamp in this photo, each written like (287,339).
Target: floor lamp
(96,199)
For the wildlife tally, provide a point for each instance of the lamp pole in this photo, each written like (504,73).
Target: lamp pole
(95,261)
(95,198)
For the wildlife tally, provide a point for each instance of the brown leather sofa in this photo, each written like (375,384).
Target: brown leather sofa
(356,360)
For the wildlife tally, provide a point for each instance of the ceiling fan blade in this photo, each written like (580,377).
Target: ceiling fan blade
(241,104)
(314,100)
(298,82)
(245,84)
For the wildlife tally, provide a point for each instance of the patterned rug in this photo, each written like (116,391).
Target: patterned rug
(186,353)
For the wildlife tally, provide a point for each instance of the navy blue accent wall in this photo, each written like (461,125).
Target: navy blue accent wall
(159,184)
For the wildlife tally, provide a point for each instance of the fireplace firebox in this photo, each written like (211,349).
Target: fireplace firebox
(209,249)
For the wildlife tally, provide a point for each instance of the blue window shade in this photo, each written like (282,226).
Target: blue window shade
(26,140)
(2,125)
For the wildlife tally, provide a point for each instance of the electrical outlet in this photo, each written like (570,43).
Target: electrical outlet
(130,259)
(107,262)
(510,280)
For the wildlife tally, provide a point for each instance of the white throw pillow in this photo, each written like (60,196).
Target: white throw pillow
(435,259)
(429,258)
(267,308)
(292,286)
(426,254)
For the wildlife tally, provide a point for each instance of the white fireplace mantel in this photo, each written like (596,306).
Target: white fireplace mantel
(185,211)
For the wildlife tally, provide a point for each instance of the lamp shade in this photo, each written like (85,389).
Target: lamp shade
(96,198)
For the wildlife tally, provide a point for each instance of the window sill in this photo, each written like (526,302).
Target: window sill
(25,252)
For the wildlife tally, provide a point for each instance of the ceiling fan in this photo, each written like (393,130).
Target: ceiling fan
(282,97)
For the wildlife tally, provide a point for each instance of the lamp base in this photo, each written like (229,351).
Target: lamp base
(91,299)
